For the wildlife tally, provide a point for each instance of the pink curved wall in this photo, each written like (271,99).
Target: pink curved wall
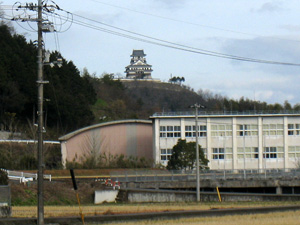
(129,139)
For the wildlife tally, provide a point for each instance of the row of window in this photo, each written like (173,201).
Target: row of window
(146,68)
(222,153)
(175,131)
(190,131)
(293,129)
(170,131)
(243,153)
(221,130)
(226,130)
(248,153)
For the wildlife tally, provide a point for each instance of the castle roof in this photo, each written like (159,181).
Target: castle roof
(138,53)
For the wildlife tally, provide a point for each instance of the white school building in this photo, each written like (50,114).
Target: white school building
(231,141)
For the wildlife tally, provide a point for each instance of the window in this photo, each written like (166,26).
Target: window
(273,129)
(247,130)
(221,130)
(293,129)
(190,131)
(248,153)
(294,151)
(169,131)
(273,152)
(221,153)
(165,154)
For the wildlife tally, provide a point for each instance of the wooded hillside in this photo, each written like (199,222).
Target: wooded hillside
(74,100)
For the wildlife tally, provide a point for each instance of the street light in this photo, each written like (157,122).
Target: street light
(197,106)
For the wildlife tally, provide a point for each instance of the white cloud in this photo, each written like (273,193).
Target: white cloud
(273,6)
(170,4)
(269,48)
(290,28)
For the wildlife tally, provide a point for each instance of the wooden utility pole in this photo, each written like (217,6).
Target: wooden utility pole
(40,83)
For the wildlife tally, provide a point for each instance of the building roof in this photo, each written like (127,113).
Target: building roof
(225,114)
(138,53)
(74,133)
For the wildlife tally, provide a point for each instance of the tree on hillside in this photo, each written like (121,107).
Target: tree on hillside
(71,95)
(177,80)
(184,156)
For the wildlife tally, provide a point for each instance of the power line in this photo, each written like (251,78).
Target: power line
(168,44)
(192,23)
(155,41)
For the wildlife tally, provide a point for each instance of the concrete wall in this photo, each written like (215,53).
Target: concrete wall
(138,196)
(105,196)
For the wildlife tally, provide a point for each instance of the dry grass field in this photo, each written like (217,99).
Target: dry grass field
(280,218)
(110,209)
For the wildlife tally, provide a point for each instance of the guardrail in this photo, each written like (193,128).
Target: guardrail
(28,141)
(24,177)
(166,175)
(214,113)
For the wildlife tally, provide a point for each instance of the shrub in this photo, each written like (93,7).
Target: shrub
(3,178)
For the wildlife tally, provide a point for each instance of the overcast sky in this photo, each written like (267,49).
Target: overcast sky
(266,30)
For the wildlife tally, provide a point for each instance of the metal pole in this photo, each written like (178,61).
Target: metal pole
(197,156)
(244,133)
(40,117)
(225,154)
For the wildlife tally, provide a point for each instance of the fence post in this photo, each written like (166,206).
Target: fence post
(136,176)
(265,173)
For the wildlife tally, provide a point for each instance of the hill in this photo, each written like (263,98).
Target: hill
(67,97)
(158,96)
(75,99)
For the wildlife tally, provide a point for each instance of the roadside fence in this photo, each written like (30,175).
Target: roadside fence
(24,177)
(189,175)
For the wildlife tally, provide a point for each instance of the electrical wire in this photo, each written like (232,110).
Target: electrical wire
(191,23)
(152,40)
(169,44)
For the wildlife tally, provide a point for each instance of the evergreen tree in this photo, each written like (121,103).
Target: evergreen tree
(184,156)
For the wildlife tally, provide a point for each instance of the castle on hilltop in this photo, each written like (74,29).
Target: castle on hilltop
(138,68)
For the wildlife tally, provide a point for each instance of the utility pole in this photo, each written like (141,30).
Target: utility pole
(43,25)
(40,83)
(197,106)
